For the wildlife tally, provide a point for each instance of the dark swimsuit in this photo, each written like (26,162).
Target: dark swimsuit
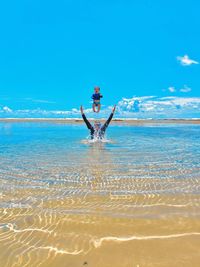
(102,130)
(96,99)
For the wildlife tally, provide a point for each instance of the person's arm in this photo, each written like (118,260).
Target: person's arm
(108,120)
(89,126)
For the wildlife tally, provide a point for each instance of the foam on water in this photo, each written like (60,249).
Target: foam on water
(96,140)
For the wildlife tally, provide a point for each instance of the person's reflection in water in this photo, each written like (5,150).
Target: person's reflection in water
(97,163)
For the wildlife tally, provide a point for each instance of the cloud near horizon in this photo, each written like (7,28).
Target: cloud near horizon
(135,107)
(7,109)
(161,107)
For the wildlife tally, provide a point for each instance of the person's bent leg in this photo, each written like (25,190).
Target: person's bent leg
(93,107)
(99,107)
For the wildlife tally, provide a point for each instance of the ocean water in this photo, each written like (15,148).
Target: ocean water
(131,201)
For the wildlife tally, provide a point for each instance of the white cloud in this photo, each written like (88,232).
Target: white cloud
(7,109)
(39,100)
(186,61)
(43,101)
(185,89)
(156,107)
(172,89)
(135,107)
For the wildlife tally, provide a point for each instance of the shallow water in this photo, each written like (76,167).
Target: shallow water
(133,201)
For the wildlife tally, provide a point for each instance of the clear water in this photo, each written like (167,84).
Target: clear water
(63,199)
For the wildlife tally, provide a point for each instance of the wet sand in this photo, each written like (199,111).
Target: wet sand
(115,121)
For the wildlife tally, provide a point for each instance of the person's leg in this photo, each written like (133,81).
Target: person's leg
(99,107)
(93,107)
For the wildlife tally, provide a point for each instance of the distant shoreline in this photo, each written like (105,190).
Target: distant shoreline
(128,121)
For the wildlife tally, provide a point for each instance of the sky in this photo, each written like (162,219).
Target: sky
(53,53)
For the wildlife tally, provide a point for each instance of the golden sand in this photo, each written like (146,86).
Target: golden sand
(116,121)
(109,230)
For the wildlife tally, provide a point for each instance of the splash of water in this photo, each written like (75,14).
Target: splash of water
(96,140)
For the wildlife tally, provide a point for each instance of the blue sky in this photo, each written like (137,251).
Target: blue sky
(54,52)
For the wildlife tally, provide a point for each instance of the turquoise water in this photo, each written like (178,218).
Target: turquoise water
(41,152)
(64,199)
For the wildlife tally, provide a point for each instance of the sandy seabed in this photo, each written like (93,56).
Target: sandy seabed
(134,203)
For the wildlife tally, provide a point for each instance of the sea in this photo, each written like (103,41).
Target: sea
(132,200)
